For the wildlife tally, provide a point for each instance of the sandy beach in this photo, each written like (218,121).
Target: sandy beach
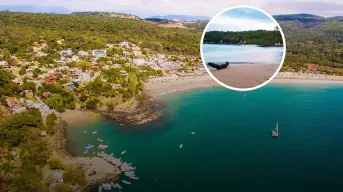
(286,78)
(245,75)
(79,116)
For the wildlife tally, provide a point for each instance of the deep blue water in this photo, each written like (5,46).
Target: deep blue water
(242,54)
(232,149)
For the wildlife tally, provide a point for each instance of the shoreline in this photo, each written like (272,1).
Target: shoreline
(283,78)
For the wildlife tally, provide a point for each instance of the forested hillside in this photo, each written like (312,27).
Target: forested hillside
(310,38)
(19,30)
(317,41)
(259,37)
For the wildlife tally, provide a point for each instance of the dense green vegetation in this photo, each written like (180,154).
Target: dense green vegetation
(259,37)
(313,39)
(19,30)
(60,99)
(107,14)
(22,171)
(7,87)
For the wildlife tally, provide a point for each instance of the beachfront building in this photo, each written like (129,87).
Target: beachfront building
(99,53)
(169,65)
(15,105)
(75,58)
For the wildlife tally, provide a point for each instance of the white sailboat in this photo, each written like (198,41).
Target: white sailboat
(275,132)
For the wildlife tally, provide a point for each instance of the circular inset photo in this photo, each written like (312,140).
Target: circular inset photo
(243,48)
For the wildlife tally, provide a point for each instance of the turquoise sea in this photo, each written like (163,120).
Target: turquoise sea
(236,54)
(232,149)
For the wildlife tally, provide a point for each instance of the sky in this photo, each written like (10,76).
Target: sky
(241,19)
(146,8)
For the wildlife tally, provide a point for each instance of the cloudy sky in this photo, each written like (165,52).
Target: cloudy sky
(146,8)
(241,19)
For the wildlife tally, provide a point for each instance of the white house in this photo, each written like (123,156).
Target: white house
(124,44)
(74,58)
(84,76)
(99,52)
(3,64)
(138,62)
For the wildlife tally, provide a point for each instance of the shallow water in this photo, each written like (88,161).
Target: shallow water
(232,149)
(242,54)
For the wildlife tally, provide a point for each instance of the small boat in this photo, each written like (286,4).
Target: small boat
(98,154)
(245,95)
(102,146)
(109,186)
(100,140)
(89,146)
(119,186)
(275,132)
(104,186)
(85,132)
(113,185)
(94,132)
(126,182)
(85,152)
(100,188)
(193,133)
(123,152)
(181,146)
(134,178)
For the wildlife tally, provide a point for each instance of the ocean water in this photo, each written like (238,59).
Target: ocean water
(232,149)
(242,54)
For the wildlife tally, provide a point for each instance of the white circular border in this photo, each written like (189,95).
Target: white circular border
(260,85)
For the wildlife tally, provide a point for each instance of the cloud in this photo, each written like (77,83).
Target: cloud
(227,23)
(189,7)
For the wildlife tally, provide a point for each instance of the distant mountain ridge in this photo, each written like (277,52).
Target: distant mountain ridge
(181,18)
(35,9)
(305,18)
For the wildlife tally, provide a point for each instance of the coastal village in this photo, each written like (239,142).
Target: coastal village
(121,68)
(159,67)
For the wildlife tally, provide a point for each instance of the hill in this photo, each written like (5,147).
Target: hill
(19,30)
(108,14)
(305,18)
(182,18)
(312,39)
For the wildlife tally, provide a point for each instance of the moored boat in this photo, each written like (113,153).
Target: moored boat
(275,132)
(181,146)
(94,132)
(126,182)
(119,186)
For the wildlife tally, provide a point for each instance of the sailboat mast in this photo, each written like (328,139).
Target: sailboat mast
(277,128)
